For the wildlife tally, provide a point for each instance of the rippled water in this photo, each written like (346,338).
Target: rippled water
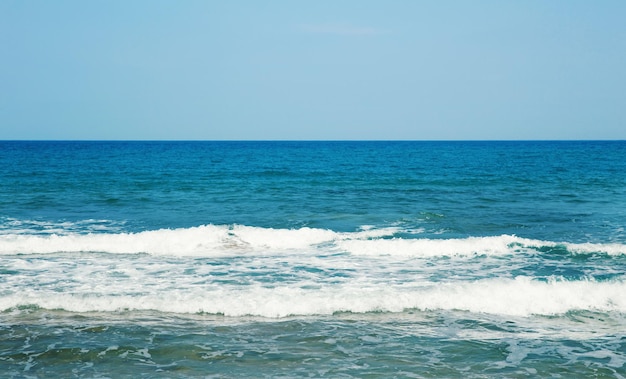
(318,259)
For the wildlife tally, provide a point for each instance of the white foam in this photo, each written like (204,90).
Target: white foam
(179,241)
(197,241)
(520,296)
(495,245)
(523,296)
(586,248)
(436,247)
(282,238)
(210,240)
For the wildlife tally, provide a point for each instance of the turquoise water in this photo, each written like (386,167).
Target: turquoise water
(313,259)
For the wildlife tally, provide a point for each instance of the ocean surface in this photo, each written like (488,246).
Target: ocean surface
(313,259)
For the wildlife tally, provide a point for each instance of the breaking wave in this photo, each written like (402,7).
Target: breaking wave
(211,240)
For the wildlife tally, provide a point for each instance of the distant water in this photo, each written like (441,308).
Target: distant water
(313,259)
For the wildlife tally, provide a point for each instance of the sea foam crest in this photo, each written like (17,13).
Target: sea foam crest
(423,247)
(195,241)
(209,240)
(521,296)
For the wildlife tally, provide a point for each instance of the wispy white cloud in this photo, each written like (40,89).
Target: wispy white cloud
(341,29)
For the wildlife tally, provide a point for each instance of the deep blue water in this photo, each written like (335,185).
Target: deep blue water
(322,259)
(553,190)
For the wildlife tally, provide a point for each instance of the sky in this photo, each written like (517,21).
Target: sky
(312,70)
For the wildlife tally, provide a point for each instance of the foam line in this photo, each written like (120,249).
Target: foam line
(521,296)
(211,240)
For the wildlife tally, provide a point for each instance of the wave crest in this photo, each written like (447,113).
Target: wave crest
(211,240)
(521,296)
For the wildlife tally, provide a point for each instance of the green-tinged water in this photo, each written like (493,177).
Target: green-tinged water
(409,344)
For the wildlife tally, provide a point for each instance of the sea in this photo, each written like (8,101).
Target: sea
(312,259)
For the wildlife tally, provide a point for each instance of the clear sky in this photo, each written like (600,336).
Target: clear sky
(341,69)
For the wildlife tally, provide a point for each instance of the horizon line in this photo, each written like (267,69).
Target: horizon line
(310,140)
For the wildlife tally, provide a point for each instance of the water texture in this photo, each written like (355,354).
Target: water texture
(313,259)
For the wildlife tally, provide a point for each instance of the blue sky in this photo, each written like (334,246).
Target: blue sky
(417,70)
